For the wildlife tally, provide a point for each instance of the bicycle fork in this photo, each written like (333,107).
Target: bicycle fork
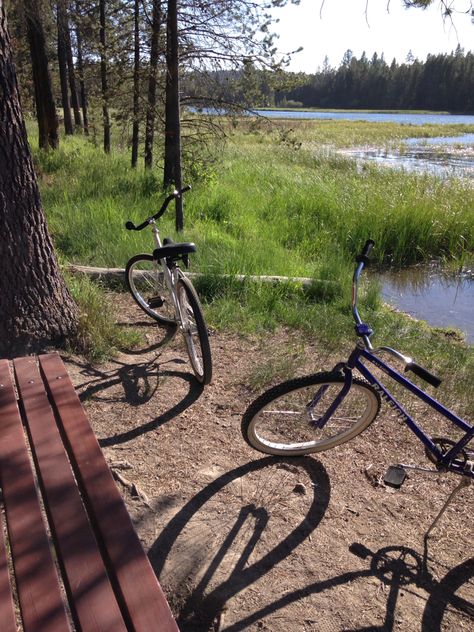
(321,421)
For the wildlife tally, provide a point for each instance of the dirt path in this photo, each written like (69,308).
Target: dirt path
(241,541)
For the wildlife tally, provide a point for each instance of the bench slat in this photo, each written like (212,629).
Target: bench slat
(39,593)
(7,612)
(93,601)
(143,598)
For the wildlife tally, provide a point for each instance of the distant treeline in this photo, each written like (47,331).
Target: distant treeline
(442,82)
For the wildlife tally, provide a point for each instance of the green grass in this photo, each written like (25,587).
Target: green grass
(281,202)
(276,200)
(98,336)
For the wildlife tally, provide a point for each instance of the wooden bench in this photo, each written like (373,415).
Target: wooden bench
(72,559)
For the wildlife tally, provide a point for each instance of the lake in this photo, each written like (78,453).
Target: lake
(428,293)
(375,117)
(445,157)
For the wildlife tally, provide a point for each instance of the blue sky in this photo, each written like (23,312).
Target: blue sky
(343,24)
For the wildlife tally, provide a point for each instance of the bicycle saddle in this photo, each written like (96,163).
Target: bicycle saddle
(173,250)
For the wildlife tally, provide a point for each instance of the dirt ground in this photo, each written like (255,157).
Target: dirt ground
(244,541)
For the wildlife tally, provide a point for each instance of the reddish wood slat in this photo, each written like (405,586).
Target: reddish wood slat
(93,601)
(143,598)
(39,593)
(7,612)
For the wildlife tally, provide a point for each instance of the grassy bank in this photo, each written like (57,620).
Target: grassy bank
(279,201)
(268,194)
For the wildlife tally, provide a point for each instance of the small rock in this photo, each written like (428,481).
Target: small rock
(299,488)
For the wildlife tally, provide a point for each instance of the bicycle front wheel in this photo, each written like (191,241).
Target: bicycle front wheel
(194,331)
(284,419)
(146,283)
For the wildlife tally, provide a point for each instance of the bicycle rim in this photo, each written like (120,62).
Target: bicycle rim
(145,280)
(194,331)
(284,419)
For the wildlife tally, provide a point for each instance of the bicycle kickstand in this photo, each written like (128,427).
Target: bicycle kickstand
(464,482)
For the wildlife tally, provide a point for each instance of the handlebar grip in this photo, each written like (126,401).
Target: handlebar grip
(131,226)
(367,249)
(184,189)
(424,374)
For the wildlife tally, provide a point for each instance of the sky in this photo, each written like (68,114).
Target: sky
(367,25)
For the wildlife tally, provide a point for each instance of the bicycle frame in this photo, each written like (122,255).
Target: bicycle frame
(449,460)
(170,275)
(365,351)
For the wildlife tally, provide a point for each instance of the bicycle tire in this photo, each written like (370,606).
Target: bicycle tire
(193,326)
(292,399)
(149,286)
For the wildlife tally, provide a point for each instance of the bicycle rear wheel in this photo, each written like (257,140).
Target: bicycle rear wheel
(194,331)
(282,420)
(146,283)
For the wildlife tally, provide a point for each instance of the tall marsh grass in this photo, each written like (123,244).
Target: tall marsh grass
(271,209)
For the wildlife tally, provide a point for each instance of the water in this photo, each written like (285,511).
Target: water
(442,299)
(376,117)
(454,156)
(464,139)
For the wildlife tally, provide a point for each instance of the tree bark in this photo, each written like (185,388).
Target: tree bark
(71,72)
(136,84)
(62,63)
(172,167)
(37,309)
(82,85)
(45,107)
(103,78)
(151,106)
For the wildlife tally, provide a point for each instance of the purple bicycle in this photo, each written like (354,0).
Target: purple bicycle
(321,411)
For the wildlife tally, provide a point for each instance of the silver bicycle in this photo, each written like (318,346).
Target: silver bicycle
(161,289)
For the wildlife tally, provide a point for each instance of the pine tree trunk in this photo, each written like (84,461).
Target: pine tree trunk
(62,63)
(82,85)
(172,167)
(45,106)
(37,309)
(103,78)
(136,84)
(72,73)
(150,114)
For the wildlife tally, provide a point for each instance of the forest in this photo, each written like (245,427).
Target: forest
(113,68)
(443,82)
(132,72)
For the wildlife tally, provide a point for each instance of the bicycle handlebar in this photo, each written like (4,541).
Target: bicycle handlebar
(362,260)
(423,373)
(173,196)
(364,330)
(367,249)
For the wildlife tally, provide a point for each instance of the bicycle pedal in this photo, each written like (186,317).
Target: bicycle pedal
(155,301)
(395,476)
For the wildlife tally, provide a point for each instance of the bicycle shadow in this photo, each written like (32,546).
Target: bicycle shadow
(165,334)
(203,605)
(138,383)
(443,595)
(397,567)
